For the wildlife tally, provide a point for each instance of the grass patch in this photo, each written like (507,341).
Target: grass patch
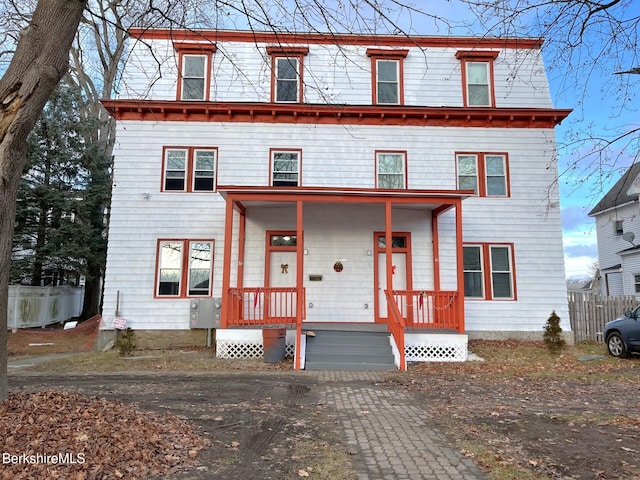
(197,359)
(324,460)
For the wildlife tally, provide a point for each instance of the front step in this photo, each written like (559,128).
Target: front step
(343,350)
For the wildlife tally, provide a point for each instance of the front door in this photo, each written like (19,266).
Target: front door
(401,273)
(281,272)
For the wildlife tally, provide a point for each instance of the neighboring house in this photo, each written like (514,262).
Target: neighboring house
(311,180)
(618,235)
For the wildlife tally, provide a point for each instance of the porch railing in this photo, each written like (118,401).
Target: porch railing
(396,327)
(429,309)
(262,306)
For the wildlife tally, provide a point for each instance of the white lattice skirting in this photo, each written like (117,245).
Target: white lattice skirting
(435,353)
(238,349)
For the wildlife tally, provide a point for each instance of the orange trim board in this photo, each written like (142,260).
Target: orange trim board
(284,38)
(162,110)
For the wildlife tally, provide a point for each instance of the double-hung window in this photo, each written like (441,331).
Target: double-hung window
(487,174)
(184,268)
(189,169)
(489,271)
(387,71)
(194,65)
(287,69)
(285,168)
(391,170)
(477,77)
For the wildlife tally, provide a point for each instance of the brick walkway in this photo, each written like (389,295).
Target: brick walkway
(389,436)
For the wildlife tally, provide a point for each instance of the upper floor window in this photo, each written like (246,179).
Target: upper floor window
(287,69)
(189,169)
(391,170)
(285,168)
(387,71)
(618,227)
(486,174)
(194,64)
(477,78)
(489,271)
(184,268)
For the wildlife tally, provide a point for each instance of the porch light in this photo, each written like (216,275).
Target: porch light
(286,238)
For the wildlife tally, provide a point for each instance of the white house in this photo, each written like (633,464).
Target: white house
(617,217)
(312,180)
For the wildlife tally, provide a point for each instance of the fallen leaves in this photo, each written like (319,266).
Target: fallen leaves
(57,434)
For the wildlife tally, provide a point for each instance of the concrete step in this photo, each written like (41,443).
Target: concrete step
(344,350)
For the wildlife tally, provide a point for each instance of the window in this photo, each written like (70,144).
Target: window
(189,169)
(477,78)
(390,170)
(387,76)
(184,268)
(285,168)
(488,271)
(194,67)
(484,173)
(286,81)
(636,283)
(618,227)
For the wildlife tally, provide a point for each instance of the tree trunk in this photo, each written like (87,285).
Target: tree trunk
(40,61)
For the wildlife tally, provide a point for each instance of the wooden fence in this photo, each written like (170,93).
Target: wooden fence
(588,312)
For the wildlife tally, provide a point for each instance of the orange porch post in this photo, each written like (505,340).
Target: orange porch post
(226,265)
(299,282)
(460,265)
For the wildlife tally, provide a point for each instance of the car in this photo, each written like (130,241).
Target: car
(622,335)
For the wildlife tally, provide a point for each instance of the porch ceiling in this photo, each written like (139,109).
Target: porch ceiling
(285,196)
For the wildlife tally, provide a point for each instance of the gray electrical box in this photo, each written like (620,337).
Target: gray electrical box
(204,312)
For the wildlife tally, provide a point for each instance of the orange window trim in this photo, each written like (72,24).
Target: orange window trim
(297,53)
(482,173)
(477,56)
(397,152)
(276,150)
(382,54)
(486,270)
(190,169)
(184,268)
(205,50)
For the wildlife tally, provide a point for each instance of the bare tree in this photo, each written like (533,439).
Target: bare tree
(588,43)
(39,62)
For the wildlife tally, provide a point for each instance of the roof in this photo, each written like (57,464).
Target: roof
(618,195)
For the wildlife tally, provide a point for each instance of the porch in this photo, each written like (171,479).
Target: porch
(396,305)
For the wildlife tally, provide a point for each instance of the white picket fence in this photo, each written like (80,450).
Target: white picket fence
(42,306)
(588,312)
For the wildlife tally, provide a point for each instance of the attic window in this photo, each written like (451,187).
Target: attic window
(618,227)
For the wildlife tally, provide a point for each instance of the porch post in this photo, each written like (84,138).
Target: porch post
(226,262)
(241,240)
(388,234)
(460,265)
(300,300)
(435,233)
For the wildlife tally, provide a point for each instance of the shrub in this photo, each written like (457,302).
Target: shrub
(126,343)
(553,334)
